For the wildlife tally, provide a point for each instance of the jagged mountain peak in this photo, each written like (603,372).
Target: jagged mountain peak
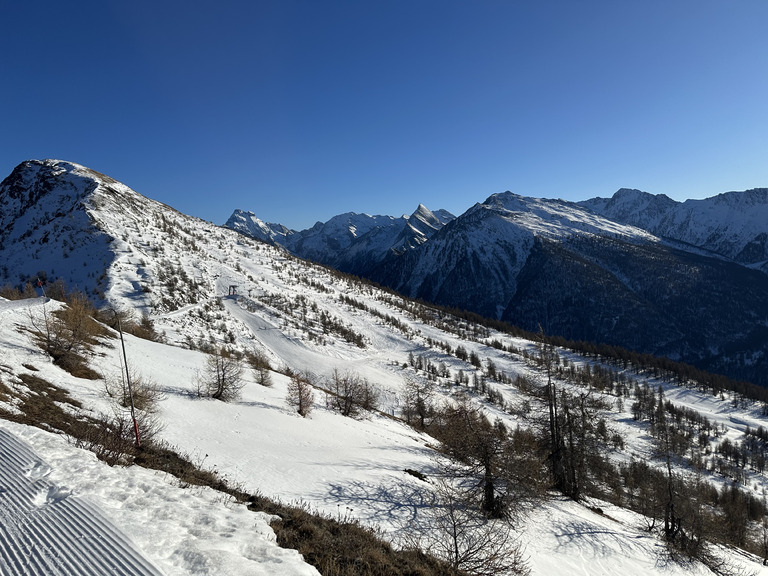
(424,217)
(246,222)
(425,214)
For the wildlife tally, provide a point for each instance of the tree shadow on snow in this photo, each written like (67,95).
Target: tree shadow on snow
(599,541)
(393,501)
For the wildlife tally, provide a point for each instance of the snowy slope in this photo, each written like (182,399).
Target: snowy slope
(100,520)
(558,218)
(353,468)
(304,317)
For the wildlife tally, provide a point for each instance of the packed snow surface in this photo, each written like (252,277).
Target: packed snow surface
(45,529)
(63,512)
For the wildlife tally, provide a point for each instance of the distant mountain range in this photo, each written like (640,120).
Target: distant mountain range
(685,280)
(348,242)
(733,225)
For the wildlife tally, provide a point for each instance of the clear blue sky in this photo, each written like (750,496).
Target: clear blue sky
(300,110)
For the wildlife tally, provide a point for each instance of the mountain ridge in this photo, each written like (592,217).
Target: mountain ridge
(632,258)
(731,224)
(348,241)
(536,263)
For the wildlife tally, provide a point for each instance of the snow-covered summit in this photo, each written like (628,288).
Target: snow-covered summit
(246,222)
(349,241)
(435,219)
(49,219)
(557,218)
(733,224)
(627,204)
(62,184)
(62,221)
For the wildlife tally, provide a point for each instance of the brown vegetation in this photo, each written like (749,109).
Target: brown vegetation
(301,394)
(68,334)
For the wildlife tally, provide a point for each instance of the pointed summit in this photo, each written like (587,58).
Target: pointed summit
(423,212)
(423,218)
(247,223)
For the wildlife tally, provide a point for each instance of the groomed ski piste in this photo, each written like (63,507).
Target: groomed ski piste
(46,530)
(68,514)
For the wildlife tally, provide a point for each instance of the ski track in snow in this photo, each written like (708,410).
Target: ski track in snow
(46,531)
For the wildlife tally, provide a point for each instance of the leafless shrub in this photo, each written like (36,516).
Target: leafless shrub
(349,394)
(68,334)
(454,531)
(418,405)
(111,438)
(301,394)
(260,366)
(140,326)
(221,377)
(13,293)
(146,395)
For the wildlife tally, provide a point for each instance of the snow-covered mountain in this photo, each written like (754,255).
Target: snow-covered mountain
(62,221)
(637,270)
(205,286)
(733,225)
(574,273)
(45,221)
(350,242)
(475,261)
(249,224)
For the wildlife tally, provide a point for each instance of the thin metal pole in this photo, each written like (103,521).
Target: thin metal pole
(128,379)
